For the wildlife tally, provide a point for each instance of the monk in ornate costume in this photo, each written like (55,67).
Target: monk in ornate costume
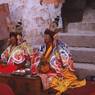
(5,56)
(15,56)
(56,67)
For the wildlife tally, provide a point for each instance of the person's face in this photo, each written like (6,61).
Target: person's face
(47,38)
(13,40)
(53,26)
(19,37)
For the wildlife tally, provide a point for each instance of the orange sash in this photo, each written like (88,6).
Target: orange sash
(48,52)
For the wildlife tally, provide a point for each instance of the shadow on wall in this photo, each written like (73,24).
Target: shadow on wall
(4,14)
(72,10)
(4,34)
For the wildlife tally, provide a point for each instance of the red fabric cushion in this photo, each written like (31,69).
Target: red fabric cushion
(5,90)
(7,68)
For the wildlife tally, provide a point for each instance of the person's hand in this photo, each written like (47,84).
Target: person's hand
(43,60)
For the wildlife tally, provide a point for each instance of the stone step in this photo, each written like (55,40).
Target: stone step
(84,70)
(83,55)
(81,26)
(85,66)
(87,24)
(78,39)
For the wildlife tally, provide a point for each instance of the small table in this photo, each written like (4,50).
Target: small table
(26,85)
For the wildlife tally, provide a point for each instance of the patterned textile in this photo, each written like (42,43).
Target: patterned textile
(17,54)
(35,59)
(20,53)
(6,54)
(61,74)
(15,58)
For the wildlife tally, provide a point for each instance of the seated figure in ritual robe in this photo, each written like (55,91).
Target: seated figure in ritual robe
(56,67)
(15,56)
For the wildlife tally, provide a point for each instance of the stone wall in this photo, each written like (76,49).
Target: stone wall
(36,16)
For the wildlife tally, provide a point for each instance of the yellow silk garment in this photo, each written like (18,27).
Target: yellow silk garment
(67,80)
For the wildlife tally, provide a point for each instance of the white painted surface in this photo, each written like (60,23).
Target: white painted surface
(35,17)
